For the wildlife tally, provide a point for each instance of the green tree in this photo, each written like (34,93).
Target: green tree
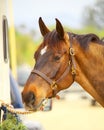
(94,15)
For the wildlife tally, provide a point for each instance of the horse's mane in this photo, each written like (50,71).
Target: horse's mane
(53,40)
(86,39)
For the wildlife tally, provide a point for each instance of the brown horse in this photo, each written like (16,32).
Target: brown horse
(61,59)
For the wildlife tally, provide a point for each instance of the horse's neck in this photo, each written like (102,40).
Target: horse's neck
(90,68)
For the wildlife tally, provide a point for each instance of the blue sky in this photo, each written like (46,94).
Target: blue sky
(69,12)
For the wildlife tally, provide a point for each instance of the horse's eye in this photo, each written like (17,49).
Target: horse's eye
(56,58)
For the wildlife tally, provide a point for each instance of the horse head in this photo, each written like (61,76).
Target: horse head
(53,69)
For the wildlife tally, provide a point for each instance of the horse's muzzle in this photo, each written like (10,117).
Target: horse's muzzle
(29,101)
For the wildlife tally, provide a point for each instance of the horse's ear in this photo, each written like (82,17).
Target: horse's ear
(44,30)
(59,28)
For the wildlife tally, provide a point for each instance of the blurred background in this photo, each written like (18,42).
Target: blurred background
(77,16)
(76,109)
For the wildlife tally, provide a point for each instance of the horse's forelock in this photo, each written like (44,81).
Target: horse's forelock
(53,40)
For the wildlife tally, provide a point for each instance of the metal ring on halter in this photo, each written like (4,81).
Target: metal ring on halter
(73,71)
(54,85)
(72,53)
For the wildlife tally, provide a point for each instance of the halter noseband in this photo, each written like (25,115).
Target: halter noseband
(71,67)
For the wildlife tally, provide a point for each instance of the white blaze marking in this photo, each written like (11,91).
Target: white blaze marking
(43,50)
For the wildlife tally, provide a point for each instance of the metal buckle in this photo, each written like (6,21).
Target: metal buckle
(54,85)
(72,53)
(73,71)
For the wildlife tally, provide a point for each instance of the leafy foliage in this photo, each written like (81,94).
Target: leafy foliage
(26,47)
(11,124)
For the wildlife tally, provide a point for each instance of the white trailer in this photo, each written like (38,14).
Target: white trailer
(4,60)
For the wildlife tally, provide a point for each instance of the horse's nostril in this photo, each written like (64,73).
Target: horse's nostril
(28,98)
(31,97)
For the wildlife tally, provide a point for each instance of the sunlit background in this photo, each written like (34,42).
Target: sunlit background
(74,111)
(68,11)
(78,16)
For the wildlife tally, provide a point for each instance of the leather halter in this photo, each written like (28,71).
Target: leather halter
(71,67)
